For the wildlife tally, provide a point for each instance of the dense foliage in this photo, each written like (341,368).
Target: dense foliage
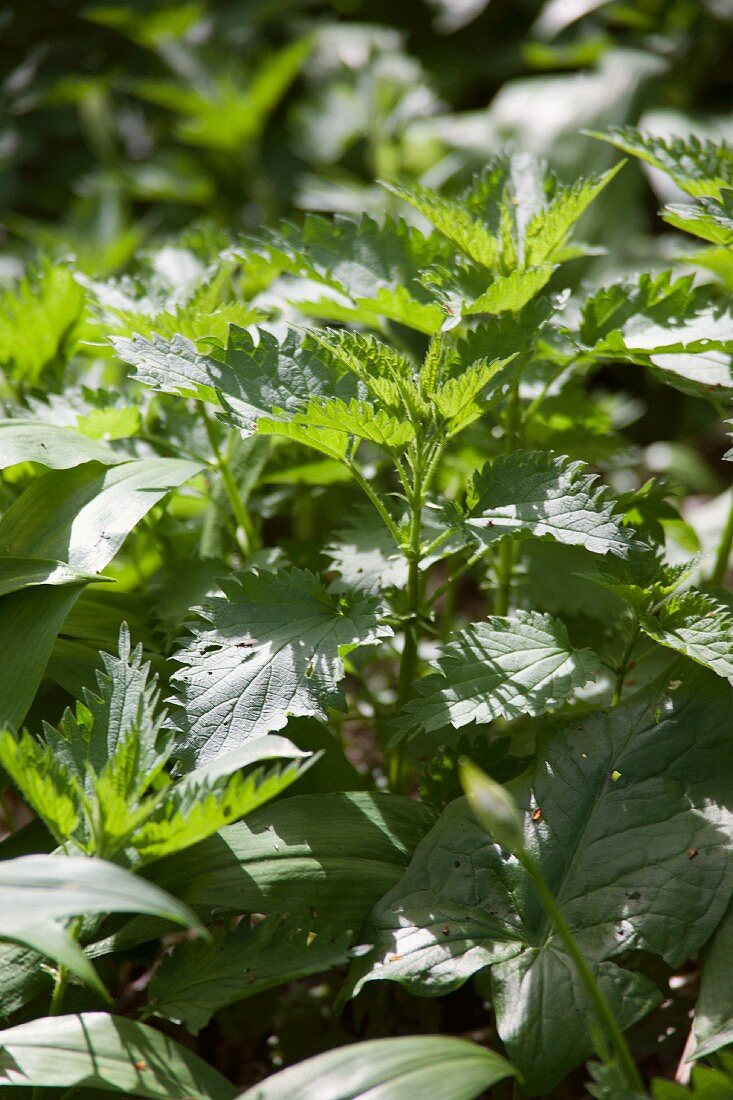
(361,442)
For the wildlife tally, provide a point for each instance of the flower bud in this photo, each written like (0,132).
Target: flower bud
(492,806)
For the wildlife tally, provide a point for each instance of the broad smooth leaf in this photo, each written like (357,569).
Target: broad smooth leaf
(197,979)
(19,573)
(50,445)
(652,775)
(538,494)
(435,1067)
(57,886)
(502,668)
(325,858)
(80,517)
(53,941)
(713,1021)
(95,1050)
(271,649)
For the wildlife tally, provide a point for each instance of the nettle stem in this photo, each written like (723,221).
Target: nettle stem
(724,548)
(625,665)
(506,552)
(600,1005)
(246,533)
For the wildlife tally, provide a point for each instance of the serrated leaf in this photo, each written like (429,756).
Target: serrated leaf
(708,219)
(327,426)
(460,399)
(541,495)
(701,168)
(271,649)
(502,668)
(389,1069)
(452,218)
(548,230)
(698,625)
(511,293)
(198,979)
(39,320)
(109,1053)
(606,790)
(44,781)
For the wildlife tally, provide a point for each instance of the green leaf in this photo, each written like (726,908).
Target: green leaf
(606,790)
(197,979)
(708,219)
(540,495)
(376,267)
(452,218)
(54,887)
(706,1084)
(44,781)
(95,1050)
(389,1069)
(502,668)
(697,167)
(53,941)
(80,517)
(324,858)
(336,421)
(713,1020)
(511,292)
(698,625)
(548,230)
(271,649)
(39,320)
(50,445)
(18,573)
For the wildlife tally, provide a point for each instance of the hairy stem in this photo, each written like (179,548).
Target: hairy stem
(248,541)
(724,548)
(623,668)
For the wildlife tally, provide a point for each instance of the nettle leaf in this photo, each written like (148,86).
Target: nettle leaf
(701,168)
(462,397)
(541,495)
(109,1053)
(125,703)
(40,319)
(454,220)
(651,775)
(548,230)
(503,668)
(271,649)
(44,781)
(708,219)
(389,1069)
(375,267)
(511,293)
(197,979)
(667,323)
(251,378)
(700,626)
(328,425)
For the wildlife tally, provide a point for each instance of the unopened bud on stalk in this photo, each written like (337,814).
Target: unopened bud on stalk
(492,806)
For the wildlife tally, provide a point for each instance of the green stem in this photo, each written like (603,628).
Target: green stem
(623,668)
(378,504)
(243,519)
(447,584)
(600,1004)
(724,548)
(505,574)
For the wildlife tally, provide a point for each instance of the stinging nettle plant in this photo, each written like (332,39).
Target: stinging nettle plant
(489,597)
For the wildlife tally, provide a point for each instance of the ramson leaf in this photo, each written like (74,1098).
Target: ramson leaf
(271,649)
(198,978)
(502,668)
(50,445)
(713,1022)
(651,775)
(107,1053)
(389,1069)
(540,495)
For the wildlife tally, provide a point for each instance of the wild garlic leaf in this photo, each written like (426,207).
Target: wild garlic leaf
(700,168)
(700,626)
(713,1022)
(501,668)
(595,805)
(270,649)
(541,495)
(197,979)
(398,1068)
